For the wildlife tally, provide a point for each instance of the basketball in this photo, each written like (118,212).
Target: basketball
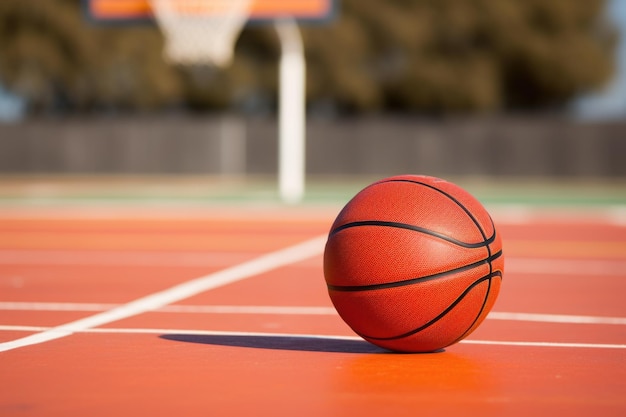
(413,263)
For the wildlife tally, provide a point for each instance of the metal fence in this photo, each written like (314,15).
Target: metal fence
(230,145)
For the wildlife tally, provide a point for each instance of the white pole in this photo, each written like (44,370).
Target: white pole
(291,113)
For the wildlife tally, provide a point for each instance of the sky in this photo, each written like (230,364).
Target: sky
(610,103)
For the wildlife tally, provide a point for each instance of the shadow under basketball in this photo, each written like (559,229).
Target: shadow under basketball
(295,343)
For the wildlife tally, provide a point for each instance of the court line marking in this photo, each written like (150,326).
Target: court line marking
(293,310)
(521,265)
(197,309)
(520,214)
(120,258)
(179,292)
(503,213)
(555,318)
(309,336)
(617,215)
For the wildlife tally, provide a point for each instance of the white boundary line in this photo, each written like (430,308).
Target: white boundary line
(514,265)
(545,344)
(611,214)
(310,336)
(179,292)
(293,310)
(556,318)
(552,266)
(503,213)
(179,308)
(119,258)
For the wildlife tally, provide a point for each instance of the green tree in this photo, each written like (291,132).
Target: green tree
(461,55)
(56,59)
(432,56)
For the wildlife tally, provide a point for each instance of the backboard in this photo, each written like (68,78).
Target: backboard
(134,11)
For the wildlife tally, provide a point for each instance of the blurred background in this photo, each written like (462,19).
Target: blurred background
(526,92)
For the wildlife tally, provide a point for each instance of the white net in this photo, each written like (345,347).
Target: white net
(200,32)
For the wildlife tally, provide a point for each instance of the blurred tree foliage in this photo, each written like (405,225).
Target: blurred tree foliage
(433,56)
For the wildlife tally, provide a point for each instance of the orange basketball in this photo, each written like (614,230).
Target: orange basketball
(413,263)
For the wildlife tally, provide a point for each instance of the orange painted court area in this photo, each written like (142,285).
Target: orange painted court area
(224,312)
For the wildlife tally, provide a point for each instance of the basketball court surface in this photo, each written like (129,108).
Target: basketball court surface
(112,307)
(217,306)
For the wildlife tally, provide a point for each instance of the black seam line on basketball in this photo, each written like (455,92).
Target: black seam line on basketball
(415,229)
(373,287)
(480,312)
(483,234)
(465,209)
(442,314)
(457,202)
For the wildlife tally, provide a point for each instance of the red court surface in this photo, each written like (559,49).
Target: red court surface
(220,312)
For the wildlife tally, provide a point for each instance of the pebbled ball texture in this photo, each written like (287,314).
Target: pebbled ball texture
(413,263)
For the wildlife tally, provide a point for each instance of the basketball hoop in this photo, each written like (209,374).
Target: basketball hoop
(200,32)
(204,32)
